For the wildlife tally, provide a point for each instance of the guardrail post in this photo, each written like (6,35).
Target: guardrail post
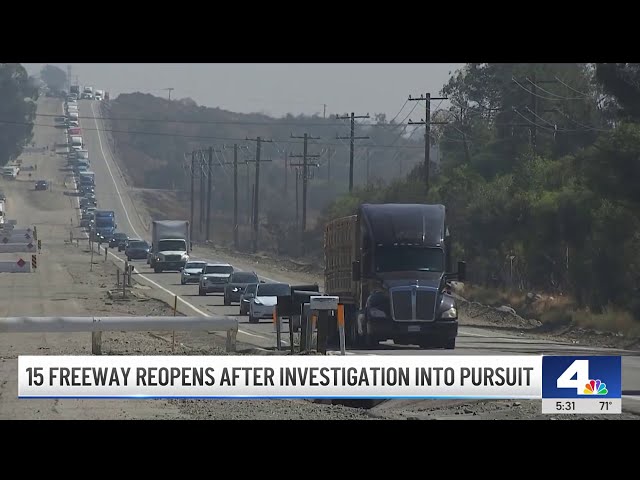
(231,339)
(106,252)
(341,329)
(117,277)
(124,284)
(323,330)
(276,321)
(310,320)
(291,345)
(96,343)
(129,274)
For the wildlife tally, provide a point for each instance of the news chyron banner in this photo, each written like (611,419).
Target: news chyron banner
(556,380)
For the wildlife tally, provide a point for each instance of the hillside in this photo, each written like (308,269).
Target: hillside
(152,136)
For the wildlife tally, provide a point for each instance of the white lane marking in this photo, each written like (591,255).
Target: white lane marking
(104,157)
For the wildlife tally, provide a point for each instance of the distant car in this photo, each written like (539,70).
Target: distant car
(118,240)
(246,297)
(265,300)
(88,202)
(236,285)
(42,185)
(214,277)
(191,272)
(136,249)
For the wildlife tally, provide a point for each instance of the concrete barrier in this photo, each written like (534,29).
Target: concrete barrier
(19,247)
(16,266)
(97,325)
(12,237)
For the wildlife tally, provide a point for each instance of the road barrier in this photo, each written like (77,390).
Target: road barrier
(15,266)
(34,262)
(97,325)
(18,248)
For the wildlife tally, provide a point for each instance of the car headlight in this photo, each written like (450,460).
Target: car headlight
(185,273)
(377,313)
(451,313)
(235,289)
(257,302)
(185,257)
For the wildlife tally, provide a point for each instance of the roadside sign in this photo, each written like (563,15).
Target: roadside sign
(21,263)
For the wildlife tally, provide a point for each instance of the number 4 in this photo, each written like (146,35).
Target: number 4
(579,369)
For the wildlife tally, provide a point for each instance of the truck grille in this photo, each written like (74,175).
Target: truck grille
(425,304)
(402,305)
(172,258)
(411,303)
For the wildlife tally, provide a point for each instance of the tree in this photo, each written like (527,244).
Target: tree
(17,110)
(54,77)
(622,82)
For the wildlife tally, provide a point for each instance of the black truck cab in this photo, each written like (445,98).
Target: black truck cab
(401,269)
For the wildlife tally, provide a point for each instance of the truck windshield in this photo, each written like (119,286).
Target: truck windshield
(104,222)
(172,245)
(407,259)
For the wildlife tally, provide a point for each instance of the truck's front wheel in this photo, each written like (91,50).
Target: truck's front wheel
(157,269)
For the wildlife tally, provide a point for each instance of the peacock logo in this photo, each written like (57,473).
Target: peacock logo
(595,387)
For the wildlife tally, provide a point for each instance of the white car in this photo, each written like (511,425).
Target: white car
(191,272)
(214,277)
(262,305)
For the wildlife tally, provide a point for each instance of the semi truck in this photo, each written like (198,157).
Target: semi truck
(390,266)
(104,225)
(171,245)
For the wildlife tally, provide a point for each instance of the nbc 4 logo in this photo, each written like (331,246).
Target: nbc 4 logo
(577,376)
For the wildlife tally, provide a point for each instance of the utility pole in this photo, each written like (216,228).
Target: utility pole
(286,168)
(352,138)
(367,152)
(330,154)
(209,190)
(193,174)
(427,135)
(202,193)
(169,89)
(235,196)
(305,175)
(256,191)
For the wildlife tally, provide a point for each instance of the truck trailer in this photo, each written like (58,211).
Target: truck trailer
(390,265)
(171,245)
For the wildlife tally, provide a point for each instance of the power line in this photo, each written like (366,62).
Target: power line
(274,121)
(198,137)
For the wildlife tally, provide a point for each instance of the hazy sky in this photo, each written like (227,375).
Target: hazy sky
(275,89)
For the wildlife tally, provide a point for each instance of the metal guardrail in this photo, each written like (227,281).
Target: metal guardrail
(97,325)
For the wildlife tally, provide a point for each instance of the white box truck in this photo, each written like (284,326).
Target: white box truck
(171,245)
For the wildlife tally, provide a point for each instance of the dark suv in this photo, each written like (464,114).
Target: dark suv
(237,284)
(119,240)
(42,185)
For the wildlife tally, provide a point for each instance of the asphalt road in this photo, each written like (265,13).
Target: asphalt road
(112,194)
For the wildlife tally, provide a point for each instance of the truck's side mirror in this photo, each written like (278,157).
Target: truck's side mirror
(355,271)
(462,271)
